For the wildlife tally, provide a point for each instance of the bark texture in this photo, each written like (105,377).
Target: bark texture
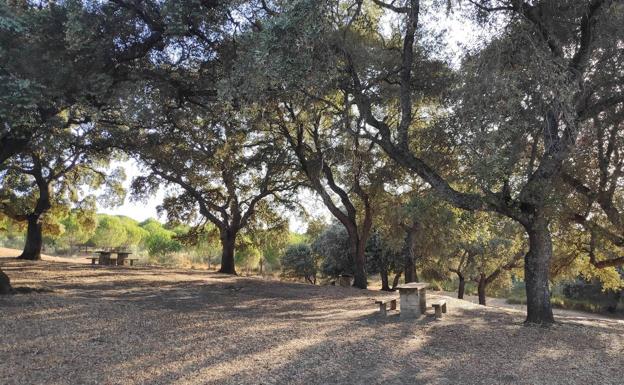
(536,273)
(481,289)
(228,241)
(462,287)
(5,284)
(360,278)
(396,280)
(34,240)
(385,284)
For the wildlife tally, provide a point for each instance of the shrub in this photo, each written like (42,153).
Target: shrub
(299,261)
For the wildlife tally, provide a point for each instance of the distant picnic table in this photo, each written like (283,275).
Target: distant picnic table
(108,258)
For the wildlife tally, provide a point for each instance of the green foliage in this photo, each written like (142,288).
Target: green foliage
(315,226)
(248,254)
(299,261)
(109,232)
(135,234)
(206,250)
(119,232)
(381,256)
(606,303)
(333,246)
(271,242)
(237,107)
(571,259)
(159,242)
(80,225)
(11,232)
(280,55)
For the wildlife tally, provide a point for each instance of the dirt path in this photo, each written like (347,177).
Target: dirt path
(167,326)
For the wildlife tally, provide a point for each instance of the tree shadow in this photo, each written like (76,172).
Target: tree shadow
(223,329)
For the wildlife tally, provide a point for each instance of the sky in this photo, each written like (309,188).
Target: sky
(457,32)
(133,209)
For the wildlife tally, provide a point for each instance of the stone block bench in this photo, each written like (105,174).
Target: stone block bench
(131,260)
(383,305)
(93,259)
(439,307)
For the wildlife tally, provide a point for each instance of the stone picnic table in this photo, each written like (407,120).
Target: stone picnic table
(413,299)
(106,258)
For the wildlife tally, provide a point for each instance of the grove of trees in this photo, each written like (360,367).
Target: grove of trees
(501,159)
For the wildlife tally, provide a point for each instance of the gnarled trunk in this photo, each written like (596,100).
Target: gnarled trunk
(385,285)
(481,289)
(462,286)
(359,277)
(228,241)
(396,280)
(536,272)
(410,263)
(5,284)
(410,269)
(34,239)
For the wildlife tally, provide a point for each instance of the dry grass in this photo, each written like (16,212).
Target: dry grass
(10,253)
(166,326)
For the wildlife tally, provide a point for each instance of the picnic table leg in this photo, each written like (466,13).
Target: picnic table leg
(410,303)
(131,262)
(93,261)
(422,297)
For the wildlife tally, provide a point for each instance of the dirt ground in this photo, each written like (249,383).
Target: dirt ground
(117,325)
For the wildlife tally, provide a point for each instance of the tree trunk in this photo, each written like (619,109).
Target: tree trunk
(385,286)
(5,284)
(410,264)
(462,286)
(395,282)
(536,272)
(360,279)
(481,289)
(410,269)
(34,239)
(228,240)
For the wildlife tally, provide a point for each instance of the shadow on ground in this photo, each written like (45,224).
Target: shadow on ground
(163,326)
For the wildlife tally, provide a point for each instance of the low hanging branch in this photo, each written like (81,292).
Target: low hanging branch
(613,262)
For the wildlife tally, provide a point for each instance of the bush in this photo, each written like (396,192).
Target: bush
(299,261)
(559,300)
(333,246)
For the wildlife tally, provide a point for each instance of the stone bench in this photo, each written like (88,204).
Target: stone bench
(93,259)
(439,307)
(383,305)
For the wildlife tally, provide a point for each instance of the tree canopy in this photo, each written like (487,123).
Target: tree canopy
(506,156)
